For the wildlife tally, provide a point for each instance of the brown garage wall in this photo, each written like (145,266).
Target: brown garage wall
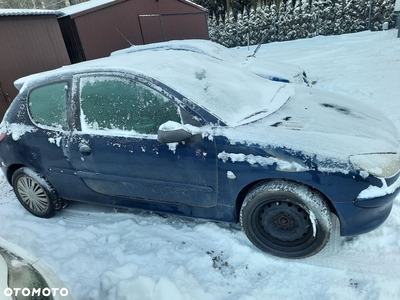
(28,44)
(94,30)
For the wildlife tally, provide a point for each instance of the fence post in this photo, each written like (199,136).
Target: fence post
(369,15)
(398,25)
(397,14)
(237,34)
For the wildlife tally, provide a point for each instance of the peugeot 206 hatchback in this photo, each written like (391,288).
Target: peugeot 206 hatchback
(185,133)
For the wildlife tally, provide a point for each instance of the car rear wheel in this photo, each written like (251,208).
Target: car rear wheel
(35,193)
(286,219)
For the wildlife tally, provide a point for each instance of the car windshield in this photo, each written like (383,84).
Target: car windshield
(231,93)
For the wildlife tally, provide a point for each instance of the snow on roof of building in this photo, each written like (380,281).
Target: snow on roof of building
(81,7)
(73,9)
(28,12)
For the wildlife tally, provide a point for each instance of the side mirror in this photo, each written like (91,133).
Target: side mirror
(173,132)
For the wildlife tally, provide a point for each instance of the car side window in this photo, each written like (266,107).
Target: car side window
(48,104)
(115,103)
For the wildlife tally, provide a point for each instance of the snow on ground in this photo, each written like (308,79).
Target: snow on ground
(104,253)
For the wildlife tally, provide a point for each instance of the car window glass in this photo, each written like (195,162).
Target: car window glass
(114,103)
(188,118)
(48,104)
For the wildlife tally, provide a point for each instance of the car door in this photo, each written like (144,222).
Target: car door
(116,152)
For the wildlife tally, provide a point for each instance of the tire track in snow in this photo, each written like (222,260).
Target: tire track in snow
(333,256)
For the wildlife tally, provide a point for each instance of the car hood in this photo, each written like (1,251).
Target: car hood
(324,125)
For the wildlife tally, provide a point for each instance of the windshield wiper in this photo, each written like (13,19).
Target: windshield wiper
(254,114)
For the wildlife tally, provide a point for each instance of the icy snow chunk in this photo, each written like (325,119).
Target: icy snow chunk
(17,263)
(313,220)
(113,238)
(171,125)
(333,170)
(261,160)
(172,147)
(56,139)
(374,191)
(230,175)
(17,130)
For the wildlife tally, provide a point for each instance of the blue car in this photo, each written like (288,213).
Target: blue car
(184,133)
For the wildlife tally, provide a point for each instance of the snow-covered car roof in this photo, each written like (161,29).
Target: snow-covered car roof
(204,47)
(263,67)
(234,95)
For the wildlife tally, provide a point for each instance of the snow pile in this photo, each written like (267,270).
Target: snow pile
(374,191)
(262,161)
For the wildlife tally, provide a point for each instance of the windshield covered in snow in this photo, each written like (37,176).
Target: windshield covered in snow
(234,95)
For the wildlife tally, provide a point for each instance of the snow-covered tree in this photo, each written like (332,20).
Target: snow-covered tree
(382,11)
(358,12)
(255,26)
(229,31)
(292,19)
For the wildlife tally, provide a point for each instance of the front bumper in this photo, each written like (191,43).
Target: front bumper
(375,196)
(370,210)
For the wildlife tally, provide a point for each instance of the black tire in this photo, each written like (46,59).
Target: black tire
(286,219)
(35,193)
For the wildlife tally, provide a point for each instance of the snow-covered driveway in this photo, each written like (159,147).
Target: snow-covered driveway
(103,253)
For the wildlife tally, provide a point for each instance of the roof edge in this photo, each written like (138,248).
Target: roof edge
(6,12)
(87,7)
(188,2)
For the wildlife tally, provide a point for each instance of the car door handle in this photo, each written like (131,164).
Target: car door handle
(85,149)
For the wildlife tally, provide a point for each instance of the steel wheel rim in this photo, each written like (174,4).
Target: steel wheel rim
(32,194)
(272,233)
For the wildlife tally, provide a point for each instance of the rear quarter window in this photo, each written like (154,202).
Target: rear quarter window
(48,104)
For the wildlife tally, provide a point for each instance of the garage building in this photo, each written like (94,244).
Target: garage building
(96,28)
(30,42)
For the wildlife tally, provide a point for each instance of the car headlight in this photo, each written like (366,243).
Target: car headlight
(383,165)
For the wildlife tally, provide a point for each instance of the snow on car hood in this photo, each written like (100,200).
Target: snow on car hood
(327,125)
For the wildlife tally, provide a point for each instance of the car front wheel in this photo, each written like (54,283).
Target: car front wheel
(35,193)
(286,219)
